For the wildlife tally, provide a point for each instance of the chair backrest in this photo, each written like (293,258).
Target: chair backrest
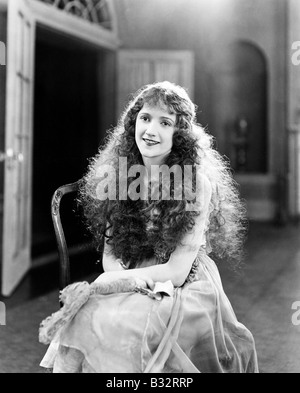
(64,265)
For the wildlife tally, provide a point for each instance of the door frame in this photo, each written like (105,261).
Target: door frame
(55,20)
(60,21)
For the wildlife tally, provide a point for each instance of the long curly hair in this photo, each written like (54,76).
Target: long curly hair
(140,229)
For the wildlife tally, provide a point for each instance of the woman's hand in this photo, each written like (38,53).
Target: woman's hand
(145,282)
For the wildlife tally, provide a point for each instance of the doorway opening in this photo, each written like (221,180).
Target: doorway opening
(248,94)
(67,132)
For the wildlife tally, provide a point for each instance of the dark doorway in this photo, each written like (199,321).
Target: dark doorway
(248,94)
(66,131)
(240,97)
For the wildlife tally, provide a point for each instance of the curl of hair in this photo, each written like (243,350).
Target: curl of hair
(124,222)
(228,222)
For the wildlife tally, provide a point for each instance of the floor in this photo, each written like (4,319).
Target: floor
(262,296)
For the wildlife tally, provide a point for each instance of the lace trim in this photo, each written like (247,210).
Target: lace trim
(75,296)
(195,266)
(194,269)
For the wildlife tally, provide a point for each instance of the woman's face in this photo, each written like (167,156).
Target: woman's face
(154,132)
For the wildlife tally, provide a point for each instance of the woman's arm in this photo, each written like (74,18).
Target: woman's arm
(181,260)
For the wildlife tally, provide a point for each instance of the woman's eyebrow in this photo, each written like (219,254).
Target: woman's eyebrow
(161,117)
(167,118)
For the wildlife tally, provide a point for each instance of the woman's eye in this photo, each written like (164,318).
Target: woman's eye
(144,118)
(165,123)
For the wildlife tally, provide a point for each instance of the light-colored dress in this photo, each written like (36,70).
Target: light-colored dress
(193,331)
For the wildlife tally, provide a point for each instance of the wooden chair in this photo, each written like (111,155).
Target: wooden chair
(64,260)
(64,253)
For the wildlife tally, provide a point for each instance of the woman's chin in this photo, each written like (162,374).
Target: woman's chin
(154,153)
(147,154)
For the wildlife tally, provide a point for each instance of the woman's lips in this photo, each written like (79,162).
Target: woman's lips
(149,142)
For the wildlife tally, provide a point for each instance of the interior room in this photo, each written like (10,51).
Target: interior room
(71,70)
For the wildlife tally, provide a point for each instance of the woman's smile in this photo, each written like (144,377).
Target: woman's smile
(150,142)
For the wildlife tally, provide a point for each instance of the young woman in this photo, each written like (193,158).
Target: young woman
(157,221)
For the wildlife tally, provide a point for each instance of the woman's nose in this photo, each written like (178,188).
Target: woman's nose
(151,129)
(150,134)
